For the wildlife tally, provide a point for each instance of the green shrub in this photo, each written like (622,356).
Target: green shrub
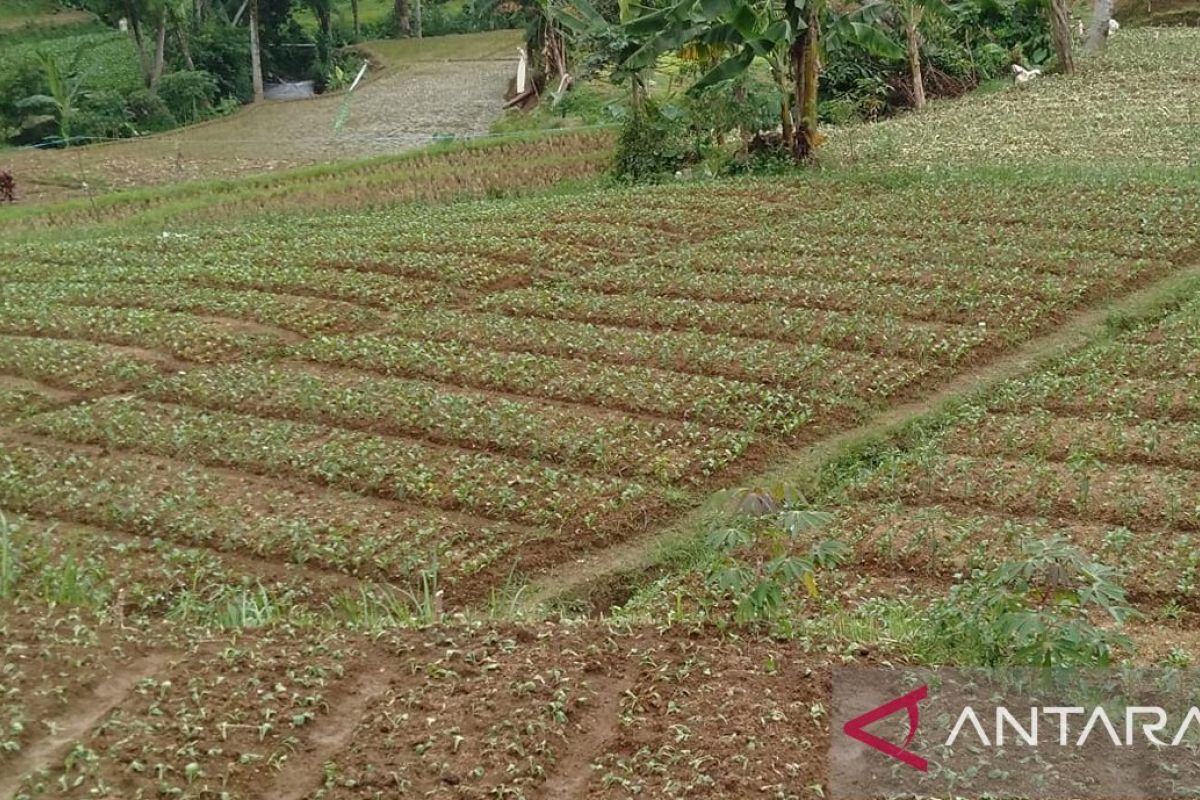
(224,53)
(438,20)
(101,115)
(651,144)
(147,111)
(22,78)
(1039,610)
(189,94)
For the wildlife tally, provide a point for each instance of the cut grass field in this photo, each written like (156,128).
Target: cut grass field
(239,455)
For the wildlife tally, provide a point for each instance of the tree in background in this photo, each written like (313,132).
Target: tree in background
(1098,34)
(1060,29)
(787,37)
(256,74)
(139,14)
(58,106)
(913,15)
(403,18)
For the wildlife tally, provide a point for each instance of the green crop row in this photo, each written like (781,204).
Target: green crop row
(181,335)
(835,374)
(303,315)
(886,333)
(80,366)
(194,507)
(607,442)
(718,401)
(390,468)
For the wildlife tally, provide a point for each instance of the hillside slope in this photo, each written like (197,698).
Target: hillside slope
(1138,104)
(452,86)
(276,487)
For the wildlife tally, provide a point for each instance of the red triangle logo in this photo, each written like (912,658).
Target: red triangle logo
(856,728)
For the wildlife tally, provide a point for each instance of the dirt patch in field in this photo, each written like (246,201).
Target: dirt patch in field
(465,710)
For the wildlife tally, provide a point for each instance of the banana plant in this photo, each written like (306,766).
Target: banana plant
(786,37)
(65,87)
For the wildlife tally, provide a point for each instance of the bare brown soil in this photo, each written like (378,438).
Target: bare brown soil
(546,710)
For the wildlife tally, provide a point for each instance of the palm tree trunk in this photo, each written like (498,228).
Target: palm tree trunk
(1060,26)
(255,53)
(354,14)
(1101,14)
(914,60)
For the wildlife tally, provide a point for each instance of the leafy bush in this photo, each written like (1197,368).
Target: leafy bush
(652,143)
(189,94)
(8,187)
(439,20)
(746,105)
(224,53)
(22,78)
(758,565)
(101,115)
(1035,611)
(148,112)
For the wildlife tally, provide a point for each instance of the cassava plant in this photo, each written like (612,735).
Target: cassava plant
(758,561)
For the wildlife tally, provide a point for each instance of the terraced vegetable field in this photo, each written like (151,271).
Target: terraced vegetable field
(243,457)
(515,384)
(1101,448)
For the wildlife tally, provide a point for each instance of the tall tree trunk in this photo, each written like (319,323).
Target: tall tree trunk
(806,70)
(135,26)
(255,53)
(1101,14)
(185,44)
(403,22)
(914,57)
(417,18)
(786,121)
(354,14)
(1060,26)
(187,50)
(325,19)
(160,48)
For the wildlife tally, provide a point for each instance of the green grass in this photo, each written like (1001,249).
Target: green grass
(370,13)
(106,59)
(21,10)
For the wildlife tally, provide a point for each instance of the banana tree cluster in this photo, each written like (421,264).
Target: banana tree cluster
(789,37)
